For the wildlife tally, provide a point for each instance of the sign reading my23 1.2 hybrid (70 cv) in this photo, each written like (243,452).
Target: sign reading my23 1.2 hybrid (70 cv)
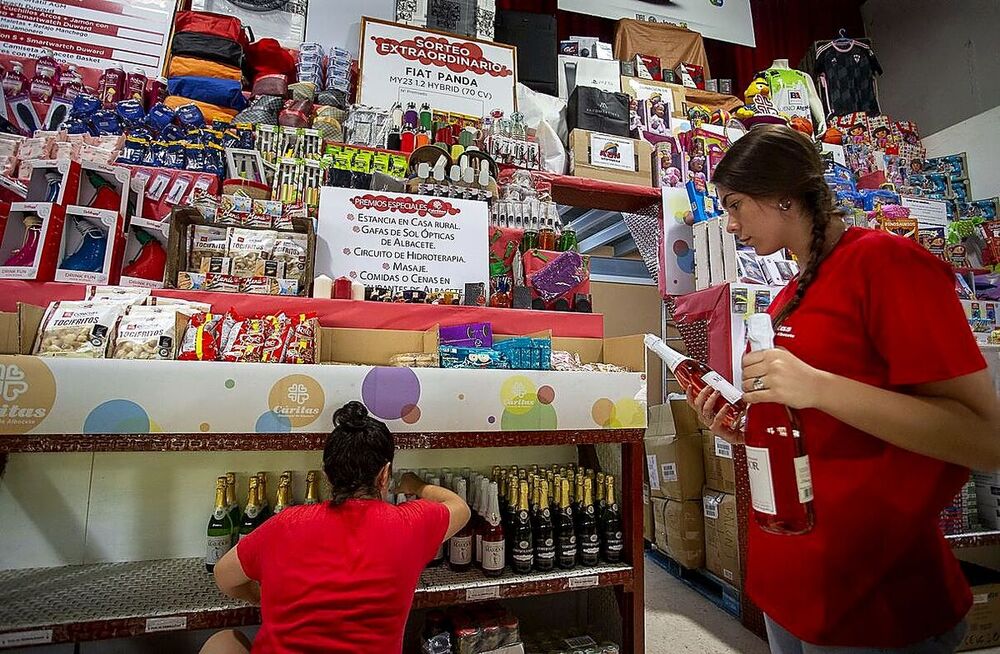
(451,73)
(401,241)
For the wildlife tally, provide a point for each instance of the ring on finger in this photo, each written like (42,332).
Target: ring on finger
(758,384)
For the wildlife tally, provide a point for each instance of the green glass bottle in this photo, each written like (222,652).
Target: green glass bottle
(220,527)
(235,511)
(253,514)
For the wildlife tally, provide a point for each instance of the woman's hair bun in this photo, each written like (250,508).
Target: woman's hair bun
(352,415)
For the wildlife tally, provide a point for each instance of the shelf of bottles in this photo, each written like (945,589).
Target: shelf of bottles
(976,539)
(160,442)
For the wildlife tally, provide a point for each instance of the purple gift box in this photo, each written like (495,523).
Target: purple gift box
(476,334)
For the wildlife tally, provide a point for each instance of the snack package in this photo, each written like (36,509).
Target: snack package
(222,283)
(191,281)
(146,333)
(206,242)
(302,340)
(293,250)
(247,342)
(249,249)
(187,307)
(277,331)
(78,329)
(117,294)
(202,338)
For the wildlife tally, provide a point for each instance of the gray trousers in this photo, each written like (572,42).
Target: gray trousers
(782,642)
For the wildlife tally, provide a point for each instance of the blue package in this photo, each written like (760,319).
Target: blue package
(190,116)
(985,209)
(76,126)
(84,106)
(156,154)
(960,189)
(526,353)
(696,195)
(160,116)
(839,173)
(172,133)
(130,113)
(874,199)
(106,123)
(174,156)
(472,357)
(849,199)
(215,161)
(134,151)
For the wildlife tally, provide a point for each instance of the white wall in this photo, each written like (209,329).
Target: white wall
(979,138)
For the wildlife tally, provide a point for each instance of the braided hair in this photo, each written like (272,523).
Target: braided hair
(355,453)
(776,161)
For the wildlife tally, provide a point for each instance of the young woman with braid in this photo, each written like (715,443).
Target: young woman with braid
(895,403)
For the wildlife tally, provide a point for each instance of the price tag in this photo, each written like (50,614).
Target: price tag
(21,638)
(589,581)
(483,593)
(166,624)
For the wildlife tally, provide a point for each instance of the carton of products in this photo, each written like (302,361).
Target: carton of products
(720,474)
(722,548)
(674,453)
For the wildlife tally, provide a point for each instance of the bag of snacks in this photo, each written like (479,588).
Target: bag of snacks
(247,342)
(202,338)
(117,294)
(278,329)
(206,242)
(78,329)
(293,250)
(249,249)
(302,340)
(146,333)
(187,307)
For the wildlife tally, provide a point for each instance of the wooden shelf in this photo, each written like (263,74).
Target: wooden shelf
(157,442)
(121,600)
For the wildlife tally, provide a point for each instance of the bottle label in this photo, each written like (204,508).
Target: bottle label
(803,478)
(220,514)
(461,550)
(252,511)
(217,546)
(613,541)
(494,554)
(721,384)
(761,482)
(591,545)
(546,549)
(523,551)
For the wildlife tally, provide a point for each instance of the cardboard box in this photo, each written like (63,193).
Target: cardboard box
(720,474)
(722,546)
(984,617)
(659,523)
(43,266)
(643,89)
(84,224)
(673,460)
(685,533)
(648,532)
(610,158)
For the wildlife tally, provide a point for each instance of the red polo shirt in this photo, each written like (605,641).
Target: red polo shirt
(340,579)
(875,570)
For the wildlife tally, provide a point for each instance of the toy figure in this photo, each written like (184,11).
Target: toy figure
(758,86)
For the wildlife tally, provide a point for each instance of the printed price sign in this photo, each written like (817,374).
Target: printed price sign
(398,240)
(481,594)
(450,73)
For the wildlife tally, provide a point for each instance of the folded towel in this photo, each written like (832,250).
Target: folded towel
(210,111)
(222,92)
(192,67)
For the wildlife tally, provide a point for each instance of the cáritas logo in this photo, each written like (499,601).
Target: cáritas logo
(435,208)
(27,393)
(456,56)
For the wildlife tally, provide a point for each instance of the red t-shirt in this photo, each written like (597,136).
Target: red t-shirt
(875,570)
(340,579)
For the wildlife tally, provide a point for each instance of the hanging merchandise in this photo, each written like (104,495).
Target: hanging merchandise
(792,92)
(846,70)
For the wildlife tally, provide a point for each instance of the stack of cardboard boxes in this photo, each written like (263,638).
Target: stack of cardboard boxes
(692,486)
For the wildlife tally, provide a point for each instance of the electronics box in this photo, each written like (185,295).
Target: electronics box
(42,266)
(582,71)
(610,158)
(111,225)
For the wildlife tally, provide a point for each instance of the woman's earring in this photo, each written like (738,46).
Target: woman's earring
(785,205)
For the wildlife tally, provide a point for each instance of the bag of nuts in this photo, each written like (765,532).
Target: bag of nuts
(293,250)
(146,333)
(78,329)
(249,249)
(206,242)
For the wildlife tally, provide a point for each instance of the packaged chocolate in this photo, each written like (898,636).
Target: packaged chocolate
(117,294)
(78,329)
(472,357)
(301,346)
(249,249)
(277,331)
(247,345)
(222,283)
(468,335)
(202,338)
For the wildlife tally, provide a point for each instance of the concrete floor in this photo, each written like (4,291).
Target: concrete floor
(679,620)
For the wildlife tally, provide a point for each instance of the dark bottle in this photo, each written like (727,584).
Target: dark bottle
(494,541)
(600,504)
(253,514)
(544,532)
(220,527)
(507,518)
(587,539)
(460,552)
(235,512)
(520,534)
(565,529)
(265,510)
(611,547)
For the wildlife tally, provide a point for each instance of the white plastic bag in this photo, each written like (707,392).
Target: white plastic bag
(546,114)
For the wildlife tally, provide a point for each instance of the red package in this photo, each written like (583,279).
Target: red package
(202,338)
(504,243)
(230,325)
(302,340)
(277,330)
(248,343)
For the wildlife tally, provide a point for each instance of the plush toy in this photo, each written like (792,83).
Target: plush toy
(758,86)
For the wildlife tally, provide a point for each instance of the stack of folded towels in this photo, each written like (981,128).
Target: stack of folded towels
(206,65)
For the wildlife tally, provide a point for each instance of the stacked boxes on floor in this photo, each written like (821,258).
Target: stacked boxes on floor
(676,476)
(692,486)
(988,498)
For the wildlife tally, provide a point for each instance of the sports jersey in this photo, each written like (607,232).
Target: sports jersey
(847,79)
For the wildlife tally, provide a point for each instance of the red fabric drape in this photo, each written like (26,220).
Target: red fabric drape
(783,29)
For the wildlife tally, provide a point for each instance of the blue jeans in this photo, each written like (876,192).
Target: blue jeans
(782,642)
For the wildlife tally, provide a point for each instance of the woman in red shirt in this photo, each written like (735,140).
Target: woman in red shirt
(895,405)
(340,576)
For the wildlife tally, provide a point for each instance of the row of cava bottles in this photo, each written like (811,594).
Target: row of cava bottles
(533,519)
(230,522)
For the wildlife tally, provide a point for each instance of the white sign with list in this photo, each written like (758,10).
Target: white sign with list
(401,241)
